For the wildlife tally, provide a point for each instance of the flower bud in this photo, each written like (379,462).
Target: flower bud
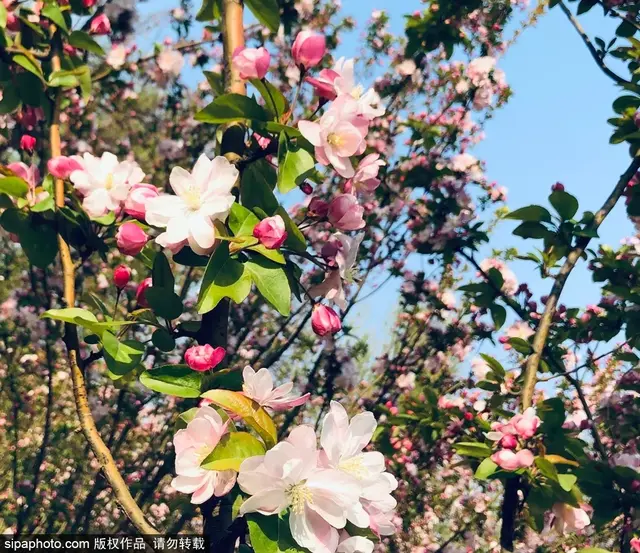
(508,441)
(62,166)
(306,188)
(204,358)
(89,3)
(131,239)
(139,195)
(308,49)
(318,208)
(324,320)
(100,25)
(324,84)
(27,142)
(121,276)
(140,292)
(557,187)
(271,232)
(251,63)
(345,213)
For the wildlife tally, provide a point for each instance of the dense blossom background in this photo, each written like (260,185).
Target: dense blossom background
(443,398)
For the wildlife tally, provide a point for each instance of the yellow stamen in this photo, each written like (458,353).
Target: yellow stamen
(108,183)
(299,495)
(334,139)
(355,467)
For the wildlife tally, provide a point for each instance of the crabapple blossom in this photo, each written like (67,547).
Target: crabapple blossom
(130,239)
(141,298)
(170,62)
(29,173)
(330,288)
(27,142)
(323,84)
(289,475)
(324,320)
(62,166)
(251,63)
(526,424)
(347,254)
(366,178)
(339,134)
(308,49)
(568,518)
(193,444)
(271,232)
(100,25)
(117,56)
(354,544)
(345,213)
(510,281)
(104,182)
(204,358)
(201,197)
(121,276)
(508,460)
(139,195)
(368,103)
(259,387)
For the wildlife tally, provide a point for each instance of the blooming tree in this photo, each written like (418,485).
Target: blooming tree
(162,283)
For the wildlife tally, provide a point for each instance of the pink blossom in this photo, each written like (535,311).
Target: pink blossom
(204,358)
(526,424)
(139,195)
(508,460)
(568,518)
(130,239)
(141,298)
(331,289)
(30,174)
(449,402)
(100,25)
(635,544)
(259,387)
(27,142)
(271,232)
(366,178)
(510,281)
(324,320)
(251,63)
(192,445)
(308,49)
(345,213)
(61,167)
(339,134)
(324,84)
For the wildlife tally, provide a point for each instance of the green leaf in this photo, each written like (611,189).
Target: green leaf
(294,164)
(209,11)
(121,357)
(164,302)
(14,186)
(10,100)
(31,89)
(232,449)
(64,79)
(224,277)
(520,345)
(216,82)
(485,469)
(258,181)
(547,468)
(232,107)
(496,367)
(161,274)
(73,315)
(531,229)
(29,64)
(472,449)
(530,213)
(271,534)
(499,315)
(3,16)
(247,409)
(173,380)
(295,239)
(52,12)
(567,481)
(272,283)
(163,340)
(186,256)
(266,12)
(84,41)
(242,221)
(593,550)
(564,203)
(626,29)
(274,100)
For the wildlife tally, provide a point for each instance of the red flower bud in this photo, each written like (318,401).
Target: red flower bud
(324,320)
(140,292)
(271,232)
(121,276)
(558,187)
(27,142)
(100,25)
(204,358)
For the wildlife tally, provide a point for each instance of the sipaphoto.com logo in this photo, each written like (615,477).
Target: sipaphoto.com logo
(50,544)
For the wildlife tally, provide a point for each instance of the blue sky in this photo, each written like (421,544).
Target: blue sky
(553,129)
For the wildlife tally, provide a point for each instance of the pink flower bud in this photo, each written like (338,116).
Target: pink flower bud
(271,232)
(345,213)
(89,3)
(508,441)
(323,84)
(62,166)
(306,188)
(508,460)
(139,195)
(318,207)
(324,320)
(141,297)
(121,276)
(27,142)
(204,358)
(526,424)
(308,49)
(100,25)
(131,239)
(558,187)
(251,63)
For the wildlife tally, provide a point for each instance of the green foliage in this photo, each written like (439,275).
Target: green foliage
(564,203)
(271,534)
(295,164)
(121,357)
(84,41)
(266,12)
(473,449)
(173,380)
(232,449)
(272,283)
(232,107)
